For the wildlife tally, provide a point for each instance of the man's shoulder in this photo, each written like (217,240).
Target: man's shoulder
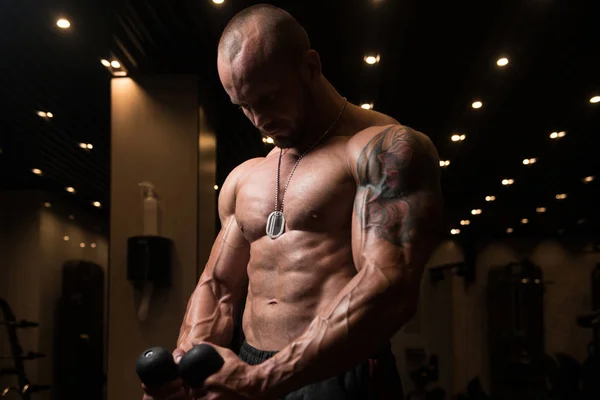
(385,138)
(242,169)
(360,141)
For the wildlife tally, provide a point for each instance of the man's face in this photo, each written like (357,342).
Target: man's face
(273,97)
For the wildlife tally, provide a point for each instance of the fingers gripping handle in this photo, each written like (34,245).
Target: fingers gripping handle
(156,367)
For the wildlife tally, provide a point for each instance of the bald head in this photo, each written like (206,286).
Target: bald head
(263,34)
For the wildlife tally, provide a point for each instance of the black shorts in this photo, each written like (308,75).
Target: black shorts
(375,379)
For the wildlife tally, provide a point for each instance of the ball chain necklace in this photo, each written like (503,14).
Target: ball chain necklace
(276,220)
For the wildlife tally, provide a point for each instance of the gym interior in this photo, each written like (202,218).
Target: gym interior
(116,136)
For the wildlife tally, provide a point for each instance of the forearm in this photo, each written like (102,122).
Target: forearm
(370,309)
(209,317)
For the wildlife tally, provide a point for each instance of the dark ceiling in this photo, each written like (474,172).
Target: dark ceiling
(437,58)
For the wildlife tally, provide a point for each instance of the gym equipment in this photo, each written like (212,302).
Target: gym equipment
(516,332)
(79,338)
(156,367)
(590,371)
(21,324)
(25,388)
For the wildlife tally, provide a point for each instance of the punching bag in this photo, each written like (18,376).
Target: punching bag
(79,339)
(516,331)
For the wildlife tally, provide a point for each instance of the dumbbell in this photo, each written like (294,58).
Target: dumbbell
(156,367)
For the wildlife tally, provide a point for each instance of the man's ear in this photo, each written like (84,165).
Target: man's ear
(311,66)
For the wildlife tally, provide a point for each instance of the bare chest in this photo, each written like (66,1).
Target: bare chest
(319,196)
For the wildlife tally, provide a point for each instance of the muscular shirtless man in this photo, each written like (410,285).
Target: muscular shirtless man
(329,233)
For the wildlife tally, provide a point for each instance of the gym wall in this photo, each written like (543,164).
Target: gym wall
(159,134)
(452,318)
(32,252)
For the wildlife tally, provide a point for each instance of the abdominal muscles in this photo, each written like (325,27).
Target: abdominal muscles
(291,280)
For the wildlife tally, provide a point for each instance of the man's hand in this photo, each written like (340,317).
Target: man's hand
(236,380)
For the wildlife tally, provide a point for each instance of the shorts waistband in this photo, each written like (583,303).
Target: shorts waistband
(254,356)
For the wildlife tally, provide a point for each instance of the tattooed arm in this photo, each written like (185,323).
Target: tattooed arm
(396,221)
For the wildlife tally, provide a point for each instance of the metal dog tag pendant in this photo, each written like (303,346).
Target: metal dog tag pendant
(275,224)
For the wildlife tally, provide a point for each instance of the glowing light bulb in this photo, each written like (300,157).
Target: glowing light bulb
(507,182)
(372,59)
(106,63)
(37,171)
(63,23)
(595,99)
(524,221)
(588,179)
(66,238)
(490,198)
(444,163)
(509,230)
(97,204)
(561,196)
(477,104)
(367,106)
(70,189)
(93,245)
(455,231)
(216,187)
(115,64)
(465,222)
(541,209)
(502,62)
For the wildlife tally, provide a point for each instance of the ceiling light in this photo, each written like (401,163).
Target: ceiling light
(502,62)
(529,161)
(37,171)
(367,106)
(93,245)
(218,1)
(115,64)
(541,209)
(97,204)
(595,99)
(465,222)
(41,114)
(106,63)
(476,211)
(507,182)
(47,204)
(90,146)
(120,73)
(455,231)
(216,187)
(490,198)
(458,138)
(63,23)
(444,163)
(556,135)
(588,179)
(477,104)
(509,230)
(66,238)
(561,196)
(70,189)
(82,245)
(524,221)
(372,59)
(83,145)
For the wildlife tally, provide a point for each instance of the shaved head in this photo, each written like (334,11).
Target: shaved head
(268,69)
(268,33)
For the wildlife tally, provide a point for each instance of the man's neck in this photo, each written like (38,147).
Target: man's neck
(325,118)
